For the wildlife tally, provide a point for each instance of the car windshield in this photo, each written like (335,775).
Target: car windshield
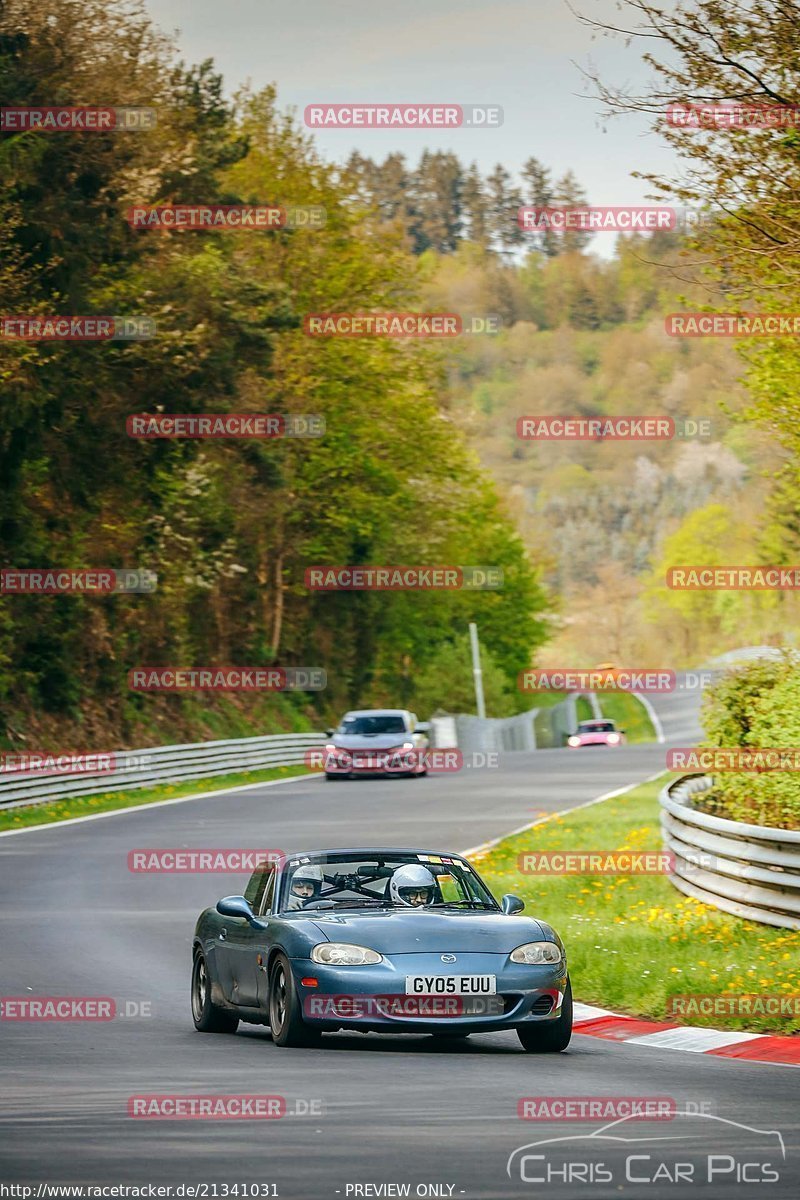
(596,727)
(343,882)
(368,726)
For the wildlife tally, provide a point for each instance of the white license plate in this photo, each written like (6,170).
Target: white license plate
(451,985)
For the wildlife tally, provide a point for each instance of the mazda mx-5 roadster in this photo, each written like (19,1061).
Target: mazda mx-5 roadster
(380,941)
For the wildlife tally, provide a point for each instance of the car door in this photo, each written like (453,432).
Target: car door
(238,942)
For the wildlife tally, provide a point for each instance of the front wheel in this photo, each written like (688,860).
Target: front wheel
(208,1017)
(549,1037)
(285,1018)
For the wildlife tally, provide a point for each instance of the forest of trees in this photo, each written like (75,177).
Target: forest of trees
(419,462)
(441,203)
(229,527)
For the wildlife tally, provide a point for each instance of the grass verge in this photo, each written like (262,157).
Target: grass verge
(635,941)
(84,806)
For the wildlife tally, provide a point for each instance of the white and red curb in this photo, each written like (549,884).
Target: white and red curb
(757,1047)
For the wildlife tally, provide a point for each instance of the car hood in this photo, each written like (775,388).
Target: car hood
(397,931)
(380,741)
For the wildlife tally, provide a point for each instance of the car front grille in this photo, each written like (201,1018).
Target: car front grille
(542,1005)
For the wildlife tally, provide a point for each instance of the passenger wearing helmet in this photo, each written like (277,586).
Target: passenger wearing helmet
(306,885)
(412,885)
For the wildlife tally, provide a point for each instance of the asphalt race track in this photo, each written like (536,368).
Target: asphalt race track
(405,1110)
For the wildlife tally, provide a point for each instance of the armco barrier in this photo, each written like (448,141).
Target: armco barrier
(162,764)
(751,871)
(537,729)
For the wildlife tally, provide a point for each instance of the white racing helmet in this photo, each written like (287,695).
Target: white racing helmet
(309,874)
(412,878)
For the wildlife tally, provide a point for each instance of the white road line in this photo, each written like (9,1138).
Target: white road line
(653,715)
(149,806)
(561,813)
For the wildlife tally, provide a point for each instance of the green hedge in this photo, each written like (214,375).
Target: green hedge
(756,705)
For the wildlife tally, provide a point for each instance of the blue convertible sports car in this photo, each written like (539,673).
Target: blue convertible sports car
(377,940)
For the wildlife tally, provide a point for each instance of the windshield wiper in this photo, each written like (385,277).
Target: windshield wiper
(457,904)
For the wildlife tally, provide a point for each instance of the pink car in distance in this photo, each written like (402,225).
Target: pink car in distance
(597,732)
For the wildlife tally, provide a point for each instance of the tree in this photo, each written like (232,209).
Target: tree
(475,207)
(504,201)
(744,181)
(436,199)
(569,193)
(539,194)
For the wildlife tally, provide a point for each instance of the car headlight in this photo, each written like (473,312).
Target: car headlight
(534,953)
(342,954)
(612,739)
(573,741)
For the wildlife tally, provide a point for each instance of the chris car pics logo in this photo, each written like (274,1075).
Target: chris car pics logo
(697,1149)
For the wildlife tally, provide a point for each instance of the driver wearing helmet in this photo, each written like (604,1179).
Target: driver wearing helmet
(306,885)
(412,885)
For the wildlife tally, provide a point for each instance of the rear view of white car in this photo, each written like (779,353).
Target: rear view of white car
(377,741)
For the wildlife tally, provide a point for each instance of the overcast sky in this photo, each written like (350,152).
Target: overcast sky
(521,54)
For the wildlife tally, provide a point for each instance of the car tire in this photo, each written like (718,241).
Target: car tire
(285,1017)
(549,1037)
(207,1016)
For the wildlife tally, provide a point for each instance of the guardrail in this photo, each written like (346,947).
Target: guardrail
(162,764)
(751,871)
(538,728)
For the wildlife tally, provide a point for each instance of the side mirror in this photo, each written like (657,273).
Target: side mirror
(237,906)
(620,731)
(511,904)
(328,733)
(423,727)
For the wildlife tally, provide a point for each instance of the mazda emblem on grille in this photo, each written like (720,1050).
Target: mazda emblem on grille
(448,958)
